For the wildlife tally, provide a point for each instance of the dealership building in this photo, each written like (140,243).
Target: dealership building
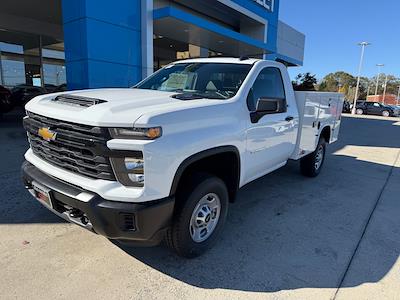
(102,43)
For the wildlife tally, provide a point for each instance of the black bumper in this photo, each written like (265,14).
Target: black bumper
(143,223)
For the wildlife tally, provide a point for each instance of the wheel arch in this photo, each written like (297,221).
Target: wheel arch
(326,133)
(212,158)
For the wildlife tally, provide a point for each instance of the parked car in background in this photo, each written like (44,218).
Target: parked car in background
(50,88)
(21,94)
(60,88)
(396,110)
(359,102)
(5,102)
(346,107)
(374,108)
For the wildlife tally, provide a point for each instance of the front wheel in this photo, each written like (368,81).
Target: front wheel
(311,164)
(359,111)
(385,113)
(199,217)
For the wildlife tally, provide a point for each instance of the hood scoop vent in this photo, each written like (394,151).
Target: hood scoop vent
(77,100)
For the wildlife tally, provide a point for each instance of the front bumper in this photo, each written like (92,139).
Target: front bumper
(144,223)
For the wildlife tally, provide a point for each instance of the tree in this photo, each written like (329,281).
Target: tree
(339,82)
(304,82)
(335,81)
(364,84)
(346,83)
(392,84)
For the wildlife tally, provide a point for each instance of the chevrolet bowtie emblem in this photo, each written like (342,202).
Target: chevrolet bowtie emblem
(47,134)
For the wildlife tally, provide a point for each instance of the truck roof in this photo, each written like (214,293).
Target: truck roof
(231,60)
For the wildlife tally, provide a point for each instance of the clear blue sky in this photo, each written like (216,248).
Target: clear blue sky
(333,29)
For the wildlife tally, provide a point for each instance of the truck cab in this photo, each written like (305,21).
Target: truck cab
(163,160)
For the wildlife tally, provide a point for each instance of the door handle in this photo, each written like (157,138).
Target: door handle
(289,118)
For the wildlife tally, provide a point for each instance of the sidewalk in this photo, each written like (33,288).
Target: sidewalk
(379,249)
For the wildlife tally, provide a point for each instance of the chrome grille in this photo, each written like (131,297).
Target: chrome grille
(78,148)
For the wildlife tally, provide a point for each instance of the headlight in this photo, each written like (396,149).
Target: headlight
(139,133)
(129,170)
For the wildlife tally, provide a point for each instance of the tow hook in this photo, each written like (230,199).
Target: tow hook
(75,213)
(78,214)
(84,220)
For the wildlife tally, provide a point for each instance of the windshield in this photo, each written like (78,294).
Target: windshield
(198,80)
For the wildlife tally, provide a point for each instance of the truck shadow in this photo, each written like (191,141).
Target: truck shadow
(288,232)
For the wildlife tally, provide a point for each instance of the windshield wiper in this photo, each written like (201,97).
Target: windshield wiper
(197,95)
(188,96)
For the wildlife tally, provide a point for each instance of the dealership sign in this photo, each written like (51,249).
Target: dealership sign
(268,4)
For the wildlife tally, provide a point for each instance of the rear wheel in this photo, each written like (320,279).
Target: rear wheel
(359,111)
(200,214)
(311,164)
(385,113)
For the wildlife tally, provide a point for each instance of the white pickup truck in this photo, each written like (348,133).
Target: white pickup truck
(163,160)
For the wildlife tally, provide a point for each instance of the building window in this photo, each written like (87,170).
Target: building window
(53,60)
(167,50)
(31,60)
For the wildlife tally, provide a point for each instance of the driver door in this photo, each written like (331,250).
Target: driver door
(272,138)
(373,108)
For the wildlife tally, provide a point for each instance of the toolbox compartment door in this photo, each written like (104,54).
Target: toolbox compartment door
(316,110)
(308,106)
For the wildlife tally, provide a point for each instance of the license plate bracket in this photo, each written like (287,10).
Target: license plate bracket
(42,194)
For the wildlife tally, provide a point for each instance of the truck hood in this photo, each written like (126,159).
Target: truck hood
(121,107)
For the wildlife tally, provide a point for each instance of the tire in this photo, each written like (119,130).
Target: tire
(202,192)
(359,111)
(386,113)
(311,164)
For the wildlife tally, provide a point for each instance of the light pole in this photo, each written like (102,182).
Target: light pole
(369,87)
(384,90)
(363,45)
(377,78)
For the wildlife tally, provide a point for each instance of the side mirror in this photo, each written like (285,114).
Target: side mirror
(267,106)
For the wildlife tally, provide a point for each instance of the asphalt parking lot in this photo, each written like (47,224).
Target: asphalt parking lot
(335,236)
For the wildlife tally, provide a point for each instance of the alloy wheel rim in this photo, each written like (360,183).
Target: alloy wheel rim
(319,157)
(205,217)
